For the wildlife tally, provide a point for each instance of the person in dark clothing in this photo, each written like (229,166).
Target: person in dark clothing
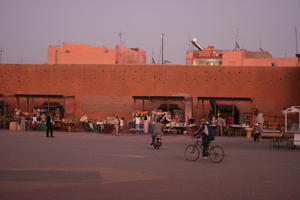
(257,132)
(156,130)
(165,121)
(49,124)
(207,134)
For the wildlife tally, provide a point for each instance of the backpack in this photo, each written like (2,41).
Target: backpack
(211,132)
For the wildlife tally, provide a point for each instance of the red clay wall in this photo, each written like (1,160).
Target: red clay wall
(130,56)
(80,54)
(104,90)
(85,54)
(270,62)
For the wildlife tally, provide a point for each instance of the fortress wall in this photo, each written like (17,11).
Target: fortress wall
(104,90)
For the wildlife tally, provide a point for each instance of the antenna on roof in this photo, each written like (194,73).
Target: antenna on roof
(189,39)
(120,36)
(260,46)
(1,52)
(153,60)
(236,44)
(162,48)
(296,35)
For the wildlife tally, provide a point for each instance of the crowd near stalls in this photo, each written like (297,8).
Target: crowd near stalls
(226,120)
(34,120)
(172,121)
(114,125)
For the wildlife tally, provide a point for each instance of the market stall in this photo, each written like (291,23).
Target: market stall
(237,130)
(52,107)
(294,125)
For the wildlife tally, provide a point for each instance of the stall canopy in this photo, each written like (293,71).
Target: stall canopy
(292,110)
(226,109)
(168,107)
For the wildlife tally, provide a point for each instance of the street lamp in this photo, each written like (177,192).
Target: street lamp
(162,48)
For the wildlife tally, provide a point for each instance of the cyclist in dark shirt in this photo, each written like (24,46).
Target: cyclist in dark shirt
(207,134)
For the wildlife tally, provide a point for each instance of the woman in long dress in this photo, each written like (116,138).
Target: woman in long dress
(146,124)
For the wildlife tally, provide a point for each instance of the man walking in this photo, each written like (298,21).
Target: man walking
(49,123)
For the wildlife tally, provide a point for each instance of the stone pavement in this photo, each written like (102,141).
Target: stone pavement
(101,166)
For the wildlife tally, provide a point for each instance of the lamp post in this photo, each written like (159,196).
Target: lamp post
(1,51)
(162,48)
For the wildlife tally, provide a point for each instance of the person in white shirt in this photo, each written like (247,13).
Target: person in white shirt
(116,124)
(220,123)
(137,123)
(34,119)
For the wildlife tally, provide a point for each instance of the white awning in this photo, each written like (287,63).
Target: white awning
(293,109)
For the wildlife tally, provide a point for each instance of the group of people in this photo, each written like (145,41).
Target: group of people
(32,123)
(219,123)
(154,126)
(117,123)
(205,131)
(149,124)
(48,119)
(143,122)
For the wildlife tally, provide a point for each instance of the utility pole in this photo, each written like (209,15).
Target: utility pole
(236,44)
(120,36)
(1,51)
(162,48)
(296,34)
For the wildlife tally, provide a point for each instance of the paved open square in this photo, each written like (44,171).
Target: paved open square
(101,166)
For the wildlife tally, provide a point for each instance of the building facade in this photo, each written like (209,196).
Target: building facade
(85,54)
(240,57)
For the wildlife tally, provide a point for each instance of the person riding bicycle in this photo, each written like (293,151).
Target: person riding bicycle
(207,133)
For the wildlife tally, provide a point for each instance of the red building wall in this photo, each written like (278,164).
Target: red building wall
(105,90)
(85,54)
(241,58)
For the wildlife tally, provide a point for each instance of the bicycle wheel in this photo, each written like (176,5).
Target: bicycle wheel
(216,154)
(192,152)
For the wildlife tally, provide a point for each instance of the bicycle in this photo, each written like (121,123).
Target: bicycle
(215,152)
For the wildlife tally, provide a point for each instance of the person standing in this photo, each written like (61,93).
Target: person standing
(257,132)
(146,123)
(23,123)
(137,122)
(49,123)
(220,123)
(43,117)
(122,124)
(116,125)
